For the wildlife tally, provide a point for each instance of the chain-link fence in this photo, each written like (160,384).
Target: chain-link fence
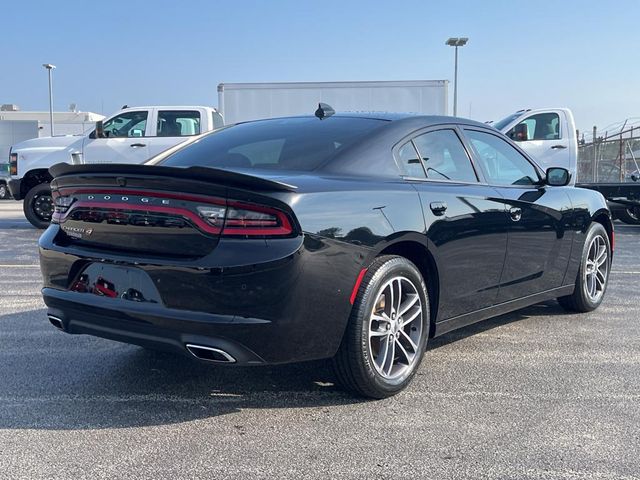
(610,158)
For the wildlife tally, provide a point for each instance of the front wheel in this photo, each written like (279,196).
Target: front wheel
(4,191)
(38,206)
(593,275)
(387,332)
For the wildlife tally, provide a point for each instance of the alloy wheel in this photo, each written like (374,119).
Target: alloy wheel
(395,328)
(596,268)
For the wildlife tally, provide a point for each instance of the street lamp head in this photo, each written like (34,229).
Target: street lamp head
(457,41)
(48,66)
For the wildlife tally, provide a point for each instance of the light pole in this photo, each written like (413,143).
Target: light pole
(456,42)
(50,67)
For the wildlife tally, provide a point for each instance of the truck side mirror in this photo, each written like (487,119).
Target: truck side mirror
(100,129)
(558,177)
(520,133)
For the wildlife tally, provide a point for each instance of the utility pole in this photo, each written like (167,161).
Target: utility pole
(49,68)
(456,42)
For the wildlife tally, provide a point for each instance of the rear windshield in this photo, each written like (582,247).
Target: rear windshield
(279,144)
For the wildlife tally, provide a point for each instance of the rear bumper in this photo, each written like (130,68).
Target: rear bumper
(153,326)
(260,310)
(15,188)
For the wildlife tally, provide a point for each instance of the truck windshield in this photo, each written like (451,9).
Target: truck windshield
(500,124)
(294,144)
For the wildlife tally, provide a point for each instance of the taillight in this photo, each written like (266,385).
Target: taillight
(246,219)
(61,204)
(13,164)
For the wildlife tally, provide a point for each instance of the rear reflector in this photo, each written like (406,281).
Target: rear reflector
(356,286)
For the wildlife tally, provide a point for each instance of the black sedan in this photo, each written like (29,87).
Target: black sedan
(349,236)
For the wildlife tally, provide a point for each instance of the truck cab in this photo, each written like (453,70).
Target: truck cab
(131,135)
(548,135)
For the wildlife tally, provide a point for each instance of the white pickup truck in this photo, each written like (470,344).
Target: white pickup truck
(131,135)
(550,137)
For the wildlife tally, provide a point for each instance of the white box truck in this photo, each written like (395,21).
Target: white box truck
(239,102)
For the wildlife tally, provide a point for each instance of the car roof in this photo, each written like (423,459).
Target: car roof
(410,119)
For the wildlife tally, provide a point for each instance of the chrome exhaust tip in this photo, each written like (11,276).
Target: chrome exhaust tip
(210,354)
(56,322)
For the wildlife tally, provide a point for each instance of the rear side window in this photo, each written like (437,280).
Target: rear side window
(178,123)
(295,144)
(410,161)
(444,156)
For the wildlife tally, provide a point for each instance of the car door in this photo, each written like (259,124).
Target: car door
(466,223)
(545,136)
(125,140)
(173,127)
(539,240)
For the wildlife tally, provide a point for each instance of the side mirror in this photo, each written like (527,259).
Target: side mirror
(558,177)
(136,132)
(100,129)
(520,133)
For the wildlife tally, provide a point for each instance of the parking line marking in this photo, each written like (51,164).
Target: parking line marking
(20,266)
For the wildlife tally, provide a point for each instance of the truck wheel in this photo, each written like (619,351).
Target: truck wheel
(630,216)
(38,206)
(4,191)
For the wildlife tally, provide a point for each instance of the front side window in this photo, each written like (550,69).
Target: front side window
(410,161)
(503,164)
(444,157)
(178,123)
(542,126)
(128,124)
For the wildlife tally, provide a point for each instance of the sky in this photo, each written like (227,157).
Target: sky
(580,55)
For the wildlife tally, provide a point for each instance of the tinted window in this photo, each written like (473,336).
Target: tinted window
(503,164)
(284,144)
(543,126)
(172,123)
(129,124)
(410,161)
(444,157)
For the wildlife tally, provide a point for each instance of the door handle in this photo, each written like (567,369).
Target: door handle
(135,145)
(558,147)
(438,208)
(515,213)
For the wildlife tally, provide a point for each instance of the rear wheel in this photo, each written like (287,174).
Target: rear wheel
(38,205)
(593,275)
(387,333)
(630,215)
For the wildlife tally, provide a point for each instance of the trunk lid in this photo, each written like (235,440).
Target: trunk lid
(162,211)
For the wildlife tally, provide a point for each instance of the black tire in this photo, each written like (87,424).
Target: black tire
(580,300)
(630,216)
(353,364)
(4,191)
(38,206)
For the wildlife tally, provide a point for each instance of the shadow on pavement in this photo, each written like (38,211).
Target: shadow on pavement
(52,380)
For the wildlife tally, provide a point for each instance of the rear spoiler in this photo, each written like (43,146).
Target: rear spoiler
(225,177)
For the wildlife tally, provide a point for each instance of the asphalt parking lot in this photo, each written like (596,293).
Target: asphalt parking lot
(534,394)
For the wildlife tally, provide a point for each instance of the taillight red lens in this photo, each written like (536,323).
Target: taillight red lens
(247,219)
